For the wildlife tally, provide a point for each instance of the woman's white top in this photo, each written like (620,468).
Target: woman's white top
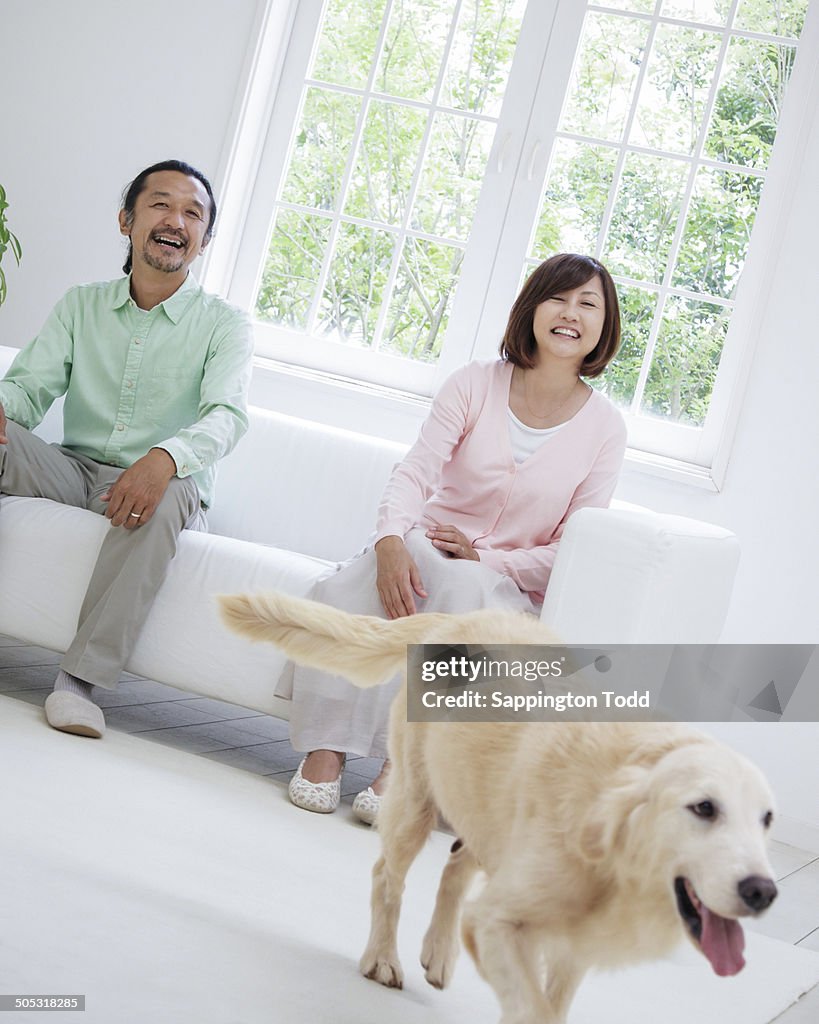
(525,440)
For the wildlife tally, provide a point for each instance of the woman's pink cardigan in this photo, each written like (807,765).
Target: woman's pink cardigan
(461,471)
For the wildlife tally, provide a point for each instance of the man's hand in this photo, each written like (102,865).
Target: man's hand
(397,578)
(137,492)
(3,437)
(455,543)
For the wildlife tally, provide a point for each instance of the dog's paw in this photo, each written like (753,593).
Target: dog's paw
(438,956)
(385,970)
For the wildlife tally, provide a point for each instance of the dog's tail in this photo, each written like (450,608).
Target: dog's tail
(362,648)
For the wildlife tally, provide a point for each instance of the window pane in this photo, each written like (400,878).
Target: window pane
(775,17)
(717,231)
(674,92)
(419,310)
(577,189)
(645,216)
(414,47)
(712,12)
(604,76)
(292,268)
(746,113)
(385,163)
(637,307)
(348,41)
(481,55)
(452,177)
(355,285)
(685,360)
(322,145)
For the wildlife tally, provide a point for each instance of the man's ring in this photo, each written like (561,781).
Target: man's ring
(135,515)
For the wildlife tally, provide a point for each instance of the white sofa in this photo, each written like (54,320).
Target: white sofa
(293,498)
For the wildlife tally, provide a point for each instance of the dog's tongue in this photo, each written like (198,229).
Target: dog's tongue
(722,942)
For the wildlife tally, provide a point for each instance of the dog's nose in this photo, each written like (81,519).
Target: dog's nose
(757,892)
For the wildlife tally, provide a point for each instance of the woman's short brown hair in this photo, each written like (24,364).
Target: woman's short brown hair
(561,273)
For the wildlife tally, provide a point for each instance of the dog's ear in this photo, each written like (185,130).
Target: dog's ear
(615,810)
(365,649)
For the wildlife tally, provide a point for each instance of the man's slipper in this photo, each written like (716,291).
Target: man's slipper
(69,712)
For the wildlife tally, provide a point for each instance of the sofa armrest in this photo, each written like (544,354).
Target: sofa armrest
(634,576)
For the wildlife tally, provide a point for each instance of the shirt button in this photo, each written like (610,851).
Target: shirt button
(129,383)
(136,341)
(120,426)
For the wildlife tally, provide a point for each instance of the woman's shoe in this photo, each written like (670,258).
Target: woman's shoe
(365,806)
(321,797)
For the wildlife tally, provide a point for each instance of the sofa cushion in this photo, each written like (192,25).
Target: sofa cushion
(184,642)
(626,575)
(302,485)
(48,554)
(48,551)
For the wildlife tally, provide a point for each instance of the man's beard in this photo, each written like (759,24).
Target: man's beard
(170,263)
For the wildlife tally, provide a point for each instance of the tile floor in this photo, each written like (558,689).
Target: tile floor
(222,732)
(259,743)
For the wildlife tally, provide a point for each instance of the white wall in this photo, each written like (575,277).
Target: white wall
(92,93)
(95,91)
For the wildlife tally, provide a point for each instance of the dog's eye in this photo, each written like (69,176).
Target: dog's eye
(766,821)
(704,809)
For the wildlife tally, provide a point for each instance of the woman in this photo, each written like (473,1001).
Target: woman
(473,515)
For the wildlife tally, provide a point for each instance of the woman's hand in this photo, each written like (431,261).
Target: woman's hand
(397,578)
(455,543)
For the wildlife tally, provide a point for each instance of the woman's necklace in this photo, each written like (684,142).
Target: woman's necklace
(552,413)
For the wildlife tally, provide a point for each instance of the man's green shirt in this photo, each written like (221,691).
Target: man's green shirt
(175,377)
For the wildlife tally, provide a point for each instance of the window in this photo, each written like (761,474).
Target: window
(657,167)
(423,155)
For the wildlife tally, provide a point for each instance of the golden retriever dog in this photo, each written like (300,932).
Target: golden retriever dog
(601,843)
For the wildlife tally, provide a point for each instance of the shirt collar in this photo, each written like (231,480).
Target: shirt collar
(120,292)
(174,306)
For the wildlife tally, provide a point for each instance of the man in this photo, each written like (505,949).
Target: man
(155,374)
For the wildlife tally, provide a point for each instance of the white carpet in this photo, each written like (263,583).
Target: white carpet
(173,890)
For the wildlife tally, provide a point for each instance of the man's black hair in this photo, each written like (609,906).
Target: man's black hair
(132,191)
